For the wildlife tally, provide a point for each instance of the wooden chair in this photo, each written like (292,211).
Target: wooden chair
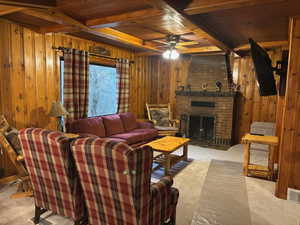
(161,116)
(17,159)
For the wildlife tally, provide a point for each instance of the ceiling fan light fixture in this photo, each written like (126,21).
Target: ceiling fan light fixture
(171,53)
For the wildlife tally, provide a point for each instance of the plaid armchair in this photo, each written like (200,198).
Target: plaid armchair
(116,184)
(52,172)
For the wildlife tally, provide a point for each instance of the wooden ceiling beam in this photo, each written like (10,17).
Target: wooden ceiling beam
(124,38)
(38,4)
(44,15)
(59,29)
(200,6)
(5,9)
(186,43)
(198,29)
(115,20)
(66,23)
(268,44)
(200,50)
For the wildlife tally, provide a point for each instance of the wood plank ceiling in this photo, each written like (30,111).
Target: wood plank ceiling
(142,25)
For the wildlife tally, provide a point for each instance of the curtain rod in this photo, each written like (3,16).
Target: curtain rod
(92,54)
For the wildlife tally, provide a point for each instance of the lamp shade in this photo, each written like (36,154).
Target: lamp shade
(57,110)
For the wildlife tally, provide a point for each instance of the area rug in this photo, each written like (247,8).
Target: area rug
(174,170)
(223,199)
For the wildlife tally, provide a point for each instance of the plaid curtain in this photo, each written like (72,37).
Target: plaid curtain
(123,78)
(76,81)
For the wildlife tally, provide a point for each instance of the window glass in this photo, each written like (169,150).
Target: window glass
(103,90)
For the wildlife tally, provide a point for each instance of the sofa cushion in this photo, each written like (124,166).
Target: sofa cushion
(137,135)
(148,133)
(113,124)
(129,121)
(92,125)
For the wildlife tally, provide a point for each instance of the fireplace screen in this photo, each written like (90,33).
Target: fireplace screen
(202,128)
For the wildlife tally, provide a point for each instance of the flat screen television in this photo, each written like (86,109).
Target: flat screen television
(264,70)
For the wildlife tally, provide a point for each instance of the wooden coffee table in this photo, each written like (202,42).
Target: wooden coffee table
(166,146)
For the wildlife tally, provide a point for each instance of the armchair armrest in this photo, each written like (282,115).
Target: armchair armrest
(174,123)
(164,185)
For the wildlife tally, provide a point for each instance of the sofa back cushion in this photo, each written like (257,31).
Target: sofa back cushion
(92,125)
(113,125)
(129,121)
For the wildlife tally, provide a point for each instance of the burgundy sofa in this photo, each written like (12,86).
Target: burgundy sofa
(121,127)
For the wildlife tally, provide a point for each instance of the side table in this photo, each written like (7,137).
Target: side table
(254,169)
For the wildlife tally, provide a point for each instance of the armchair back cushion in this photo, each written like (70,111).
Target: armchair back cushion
(161,116)
(115,180)
(52,172)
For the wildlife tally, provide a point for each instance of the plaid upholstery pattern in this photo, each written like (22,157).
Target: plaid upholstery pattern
(122,66)
(163,201)
(52,172)
(116,184)
(76,81)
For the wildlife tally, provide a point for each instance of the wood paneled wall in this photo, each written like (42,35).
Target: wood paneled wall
(30,76)
(250,106)
(167,76)
(29,73)
(289,151)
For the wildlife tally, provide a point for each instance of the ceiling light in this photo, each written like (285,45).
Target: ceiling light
(171,52)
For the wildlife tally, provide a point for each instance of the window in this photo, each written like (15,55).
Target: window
(103,89)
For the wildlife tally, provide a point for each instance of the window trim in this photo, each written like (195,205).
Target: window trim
(102,61)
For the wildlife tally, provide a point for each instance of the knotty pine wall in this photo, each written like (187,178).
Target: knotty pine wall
(30,77)
(29,72)
(250,107)
(289,151)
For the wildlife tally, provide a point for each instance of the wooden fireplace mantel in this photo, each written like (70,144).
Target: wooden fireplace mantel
(206,93)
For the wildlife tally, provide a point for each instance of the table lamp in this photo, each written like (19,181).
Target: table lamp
(59,111)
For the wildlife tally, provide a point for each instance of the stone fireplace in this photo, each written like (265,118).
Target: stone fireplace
(206,112)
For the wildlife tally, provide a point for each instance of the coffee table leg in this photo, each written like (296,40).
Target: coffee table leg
(185,152)
(167,164)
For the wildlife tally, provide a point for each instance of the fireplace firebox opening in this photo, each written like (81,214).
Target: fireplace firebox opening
(202,128)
